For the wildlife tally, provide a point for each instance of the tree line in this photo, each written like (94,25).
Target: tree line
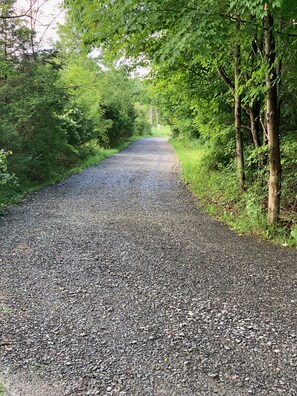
(58,106)
(224,71)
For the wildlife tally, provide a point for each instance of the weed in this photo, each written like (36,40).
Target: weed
(4,309)
(294,235)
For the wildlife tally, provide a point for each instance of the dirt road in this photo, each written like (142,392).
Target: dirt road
(114,282)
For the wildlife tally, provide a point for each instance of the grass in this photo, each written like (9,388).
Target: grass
(219,195)
(162,131)
(1,390)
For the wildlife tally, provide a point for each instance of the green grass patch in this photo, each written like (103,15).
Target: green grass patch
(1,390)
(217,189)
(162,131)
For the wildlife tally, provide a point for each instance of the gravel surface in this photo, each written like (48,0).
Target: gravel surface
(114,282)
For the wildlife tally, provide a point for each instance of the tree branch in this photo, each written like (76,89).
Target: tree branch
(15,16)
(245,127)
(26,14)
(225,78)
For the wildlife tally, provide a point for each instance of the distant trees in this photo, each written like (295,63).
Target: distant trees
(216,64)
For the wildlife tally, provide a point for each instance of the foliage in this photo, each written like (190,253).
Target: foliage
(141,123)
(294,234)
(31,128)
(204,55)
(289,164)
(5,176)
(218,193)
(58,107)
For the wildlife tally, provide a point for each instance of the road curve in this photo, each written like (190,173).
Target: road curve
(114,282)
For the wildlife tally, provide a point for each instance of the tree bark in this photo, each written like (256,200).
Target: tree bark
(32,29)
(151,115)
(272,123)
(237,111)
(157,119)
(254,126)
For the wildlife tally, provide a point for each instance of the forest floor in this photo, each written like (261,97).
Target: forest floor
(115,282)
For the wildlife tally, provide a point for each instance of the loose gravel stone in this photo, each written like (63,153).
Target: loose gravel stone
(114,282)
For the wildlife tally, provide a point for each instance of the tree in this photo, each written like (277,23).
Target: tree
(272,117)
(200,34)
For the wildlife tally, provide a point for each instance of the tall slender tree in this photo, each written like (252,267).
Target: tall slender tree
(272,117)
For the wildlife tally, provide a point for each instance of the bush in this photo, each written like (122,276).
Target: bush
(289,171)
(5,176)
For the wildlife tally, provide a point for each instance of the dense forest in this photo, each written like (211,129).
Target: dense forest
(222,75)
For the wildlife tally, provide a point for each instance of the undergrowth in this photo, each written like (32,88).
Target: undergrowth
(217,188)
(14,192)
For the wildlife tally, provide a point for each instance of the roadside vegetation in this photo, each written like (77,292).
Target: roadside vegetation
(13,192)
(161,131)
(224,78)
(217,188)
(61,110)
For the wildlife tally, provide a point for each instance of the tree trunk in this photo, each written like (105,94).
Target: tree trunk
(272,123)
(32,28)
(254,120)
(264,128)
(157,119)
(151,115)
(237,111)
(278,69)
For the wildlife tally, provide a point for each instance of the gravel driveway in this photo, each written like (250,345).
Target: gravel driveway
(114,282)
